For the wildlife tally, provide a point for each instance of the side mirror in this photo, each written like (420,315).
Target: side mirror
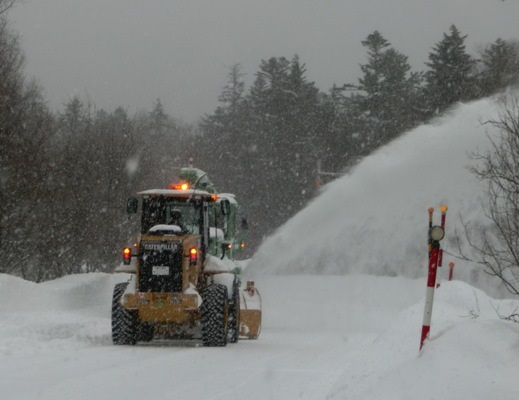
(244,224)
(226,245)
(225,206)
(132,205)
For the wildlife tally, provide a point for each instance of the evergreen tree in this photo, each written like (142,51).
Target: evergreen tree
(347,130)
(267,137)
(267,142)
(158,119)
(500,62)
(451,74)
(384,104)
(159,149)
(232,94)
(224,132)
(374,73)
(288,138)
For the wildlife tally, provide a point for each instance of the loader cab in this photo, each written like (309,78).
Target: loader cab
(222,220)
(176,212)
(204,213)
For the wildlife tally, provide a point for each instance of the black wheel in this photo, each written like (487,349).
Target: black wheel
(234,313)
(124,322)
(214,312)
(145,332)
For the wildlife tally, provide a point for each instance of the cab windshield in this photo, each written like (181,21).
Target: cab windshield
(167,211)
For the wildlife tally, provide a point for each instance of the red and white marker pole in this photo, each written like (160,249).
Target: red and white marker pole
(436,233)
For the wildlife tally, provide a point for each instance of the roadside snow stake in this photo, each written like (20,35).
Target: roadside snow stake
(435,235)
(451,270)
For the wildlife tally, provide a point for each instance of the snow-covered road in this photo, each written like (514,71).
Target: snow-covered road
(55,343)
(323,337)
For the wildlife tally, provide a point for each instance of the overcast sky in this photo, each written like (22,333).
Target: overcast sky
(131,52)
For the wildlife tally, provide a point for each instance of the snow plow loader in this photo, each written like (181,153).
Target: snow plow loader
(184,282)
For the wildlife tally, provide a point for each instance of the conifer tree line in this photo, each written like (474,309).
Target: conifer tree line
(65,176)
(266,143)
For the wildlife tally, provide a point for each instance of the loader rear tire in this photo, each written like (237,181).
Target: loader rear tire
(234,313)
(124,322)
(214,314)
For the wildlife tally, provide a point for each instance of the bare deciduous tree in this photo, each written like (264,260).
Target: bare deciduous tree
(498,248)
(6,5)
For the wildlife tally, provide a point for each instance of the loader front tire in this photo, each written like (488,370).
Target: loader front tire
(214,314)
(145,332)
(124,322)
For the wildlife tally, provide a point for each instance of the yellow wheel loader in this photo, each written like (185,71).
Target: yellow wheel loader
(184,281)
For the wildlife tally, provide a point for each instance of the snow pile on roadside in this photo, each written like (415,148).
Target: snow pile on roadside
(55,314)
(472,352)
(375,219)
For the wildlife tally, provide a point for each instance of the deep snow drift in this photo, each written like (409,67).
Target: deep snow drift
(374,220)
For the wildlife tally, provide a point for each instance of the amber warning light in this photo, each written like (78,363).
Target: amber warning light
(179,186)
(127,255)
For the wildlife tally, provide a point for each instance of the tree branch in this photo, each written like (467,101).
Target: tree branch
(5,5)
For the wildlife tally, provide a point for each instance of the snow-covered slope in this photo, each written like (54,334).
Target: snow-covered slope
(375,219)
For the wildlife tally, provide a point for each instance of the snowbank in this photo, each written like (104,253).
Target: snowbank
(55,314)
(472,353)
(375,219)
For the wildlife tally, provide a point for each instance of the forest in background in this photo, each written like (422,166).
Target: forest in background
(65,176)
